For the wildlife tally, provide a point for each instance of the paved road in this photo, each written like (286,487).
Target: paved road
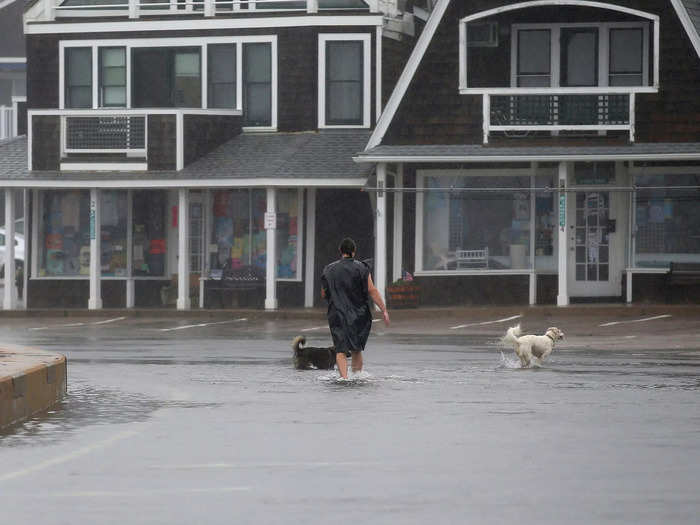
(203,420)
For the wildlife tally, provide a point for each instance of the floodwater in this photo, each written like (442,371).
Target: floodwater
(212,425)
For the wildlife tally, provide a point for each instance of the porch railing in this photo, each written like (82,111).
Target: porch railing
(559,110)
(8,126)
(105,134)
(173,7)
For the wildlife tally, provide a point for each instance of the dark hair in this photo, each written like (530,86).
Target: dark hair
(347,246)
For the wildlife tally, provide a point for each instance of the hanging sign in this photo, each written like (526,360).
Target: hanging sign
(562,211)
(270,220)
(92,219)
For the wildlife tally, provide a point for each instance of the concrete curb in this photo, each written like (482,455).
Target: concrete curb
(31,381)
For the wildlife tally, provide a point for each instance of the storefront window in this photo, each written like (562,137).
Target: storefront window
(64,233)
(476,230)
(238,236)
(113,233)
(149,233)
(667,219)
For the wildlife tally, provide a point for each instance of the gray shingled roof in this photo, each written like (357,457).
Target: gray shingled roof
(309,156)
(478,152)
(693,8)
(12,30)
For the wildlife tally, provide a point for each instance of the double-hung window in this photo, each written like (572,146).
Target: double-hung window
(344,80)
(78,77)
(257,84)
(221,75)
(166,77)
(626,57)
(112,76)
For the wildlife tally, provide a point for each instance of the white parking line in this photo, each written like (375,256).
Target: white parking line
(486,322)
(73,325)
(664,316)
(313,328)
(200,325)
(67,457)
(110,320)
(141,492)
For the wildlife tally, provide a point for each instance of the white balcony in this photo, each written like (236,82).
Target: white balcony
(572,109)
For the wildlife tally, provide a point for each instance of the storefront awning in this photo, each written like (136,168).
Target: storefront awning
(480,153)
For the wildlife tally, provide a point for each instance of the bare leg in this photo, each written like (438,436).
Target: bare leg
(342,363)
(356,362)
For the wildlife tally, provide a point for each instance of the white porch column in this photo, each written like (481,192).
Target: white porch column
(397,265)
(95,301)
(271,258)
(183,249)
(380,245)
(563,245)
(10,295)
(309,268)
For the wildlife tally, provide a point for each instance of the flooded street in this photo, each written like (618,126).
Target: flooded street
(174,421)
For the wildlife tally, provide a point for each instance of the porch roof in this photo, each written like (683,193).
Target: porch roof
(481,153)
(303,159)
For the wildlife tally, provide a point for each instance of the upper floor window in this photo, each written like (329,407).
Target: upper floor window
(221,65)
(257,84)
(78,74)
(344,80)
(166,77)
(580,55)
(113,77)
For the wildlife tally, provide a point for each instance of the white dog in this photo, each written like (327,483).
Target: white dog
(528,346)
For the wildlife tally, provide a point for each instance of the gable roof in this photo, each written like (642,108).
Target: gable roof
(689,13)
(687,10)
(11,29)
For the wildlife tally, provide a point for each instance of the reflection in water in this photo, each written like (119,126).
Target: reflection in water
(87,405)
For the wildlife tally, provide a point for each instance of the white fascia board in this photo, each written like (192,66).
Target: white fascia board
(356,183)
(13,60)
(200,24)
(687,24)
(526,158)
(407,74)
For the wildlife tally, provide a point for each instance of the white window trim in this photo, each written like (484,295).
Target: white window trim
(420,220)
(603,49)
(366,39)
(463,80)
(202,43)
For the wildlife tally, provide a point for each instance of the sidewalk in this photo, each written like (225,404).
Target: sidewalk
(31,381)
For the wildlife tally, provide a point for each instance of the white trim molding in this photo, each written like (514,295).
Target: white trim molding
(144,183)
(687,24)
(366,39)
(464,81)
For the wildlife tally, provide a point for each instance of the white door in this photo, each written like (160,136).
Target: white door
(596,244)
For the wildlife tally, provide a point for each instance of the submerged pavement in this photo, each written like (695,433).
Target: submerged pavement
(202,419)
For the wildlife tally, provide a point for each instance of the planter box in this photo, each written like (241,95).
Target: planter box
(404,295)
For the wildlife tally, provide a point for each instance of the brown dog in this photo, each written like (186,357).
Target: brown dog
(309,357)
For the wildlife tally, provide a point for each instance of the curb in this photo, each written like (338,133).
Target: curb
(31,381)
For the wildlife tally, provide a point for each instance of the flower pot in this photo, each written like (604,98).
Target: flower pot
(403,295)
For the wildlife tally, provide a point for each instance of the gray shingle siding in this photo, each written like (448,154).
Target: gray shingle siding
(11,30)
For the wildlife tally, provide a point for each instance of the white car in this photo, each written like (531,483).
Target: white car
(19,250)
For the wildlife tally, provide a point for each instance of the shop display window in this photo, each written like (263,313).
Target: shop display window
(64,233)
(667,220)
(476,230)
(238,236)
(113,245)
(149,233)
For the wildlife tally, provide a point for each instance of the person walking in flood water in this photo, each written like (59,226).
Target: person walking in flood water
(347,286)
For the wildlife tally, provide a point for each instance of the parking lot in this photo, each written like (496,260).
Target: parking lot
(175,418)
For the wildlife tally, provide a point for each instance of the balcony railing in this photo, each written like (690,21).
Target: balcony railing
(105,134)
(559,110)
(208,8)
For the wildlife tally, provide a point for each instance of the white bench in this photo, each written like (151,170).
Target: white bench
(472,258)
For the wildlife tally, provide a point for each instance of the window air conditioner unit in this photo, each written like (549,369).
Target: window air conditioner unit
(483,34)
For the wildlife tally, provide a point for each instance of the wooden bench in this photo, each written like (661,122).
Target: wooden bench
(472,258)
(230,279)
(683,274)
